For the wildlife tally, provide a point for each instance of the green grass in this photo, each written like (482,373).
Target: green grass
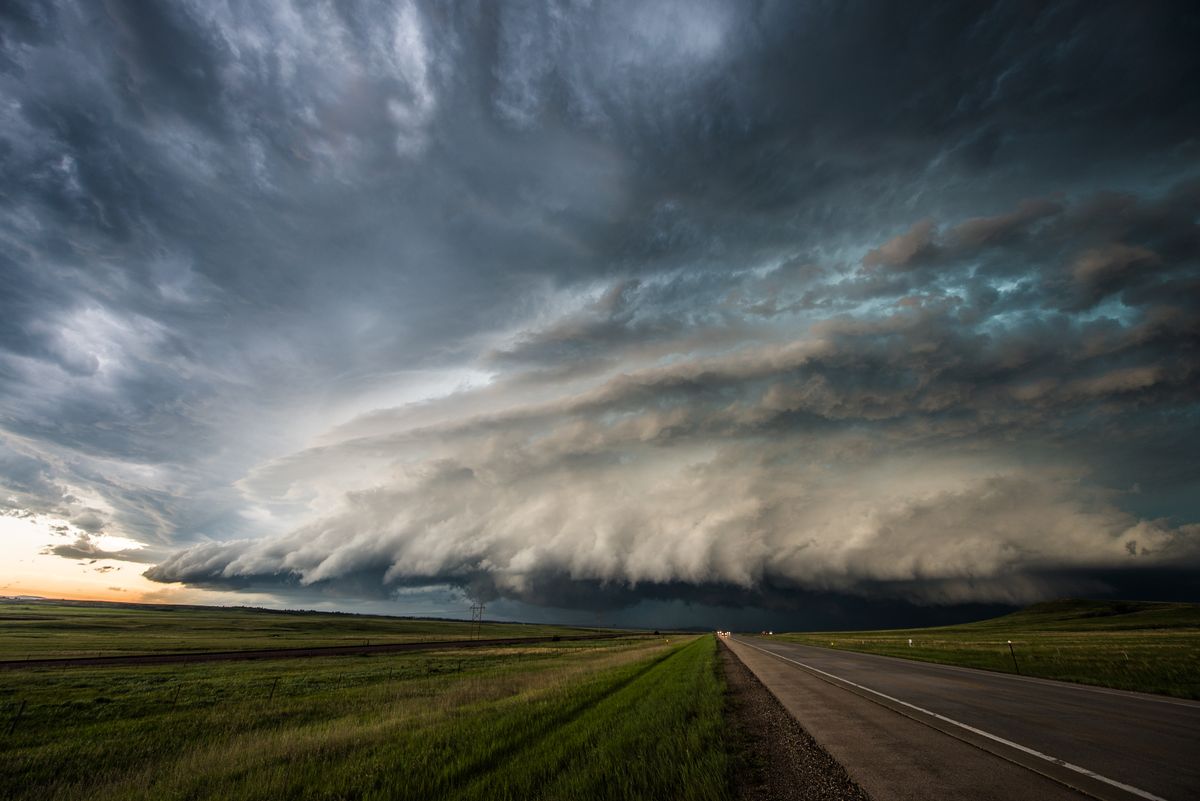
(615,719)
(1128,645)
(89,629)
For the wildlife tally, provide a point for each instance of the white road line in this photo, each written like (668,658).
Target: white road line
(1024,749)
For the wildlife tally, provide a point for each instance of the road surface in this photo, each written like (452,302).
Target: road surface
(914,730)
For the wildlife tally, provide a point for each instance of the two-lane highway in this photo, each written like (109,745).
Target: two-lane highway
(1106,743)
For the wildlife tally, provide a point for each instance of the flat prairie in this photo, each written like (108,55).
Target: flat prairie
(629,718)
(70,629)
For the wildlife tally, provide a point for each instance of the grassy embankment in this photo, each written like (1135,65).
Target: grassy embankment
(1151,647)
(89,629)
(615,719)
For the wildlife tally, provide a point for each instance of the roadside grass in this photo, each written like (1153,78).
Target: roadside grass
(1148,647)
(33,630)
(620,719)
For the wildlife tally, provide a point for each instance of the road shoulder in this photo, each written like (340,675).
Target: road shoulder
(774,758)
(891,756)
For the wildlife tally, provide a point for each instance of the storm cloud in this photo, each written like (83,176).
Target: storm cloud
(590,305)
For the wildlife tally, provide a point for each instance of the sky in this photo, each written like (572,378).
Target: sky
(799,314)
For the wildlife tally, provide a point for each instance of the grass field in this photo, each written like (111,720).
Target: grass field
(92,629)
(636,718)
(1151,647)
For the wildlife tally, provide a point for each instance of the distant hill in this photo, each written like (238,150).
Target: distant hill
(1079,614)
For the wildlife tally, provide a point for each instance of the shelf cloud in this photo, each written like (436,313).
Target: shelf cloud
(588,306)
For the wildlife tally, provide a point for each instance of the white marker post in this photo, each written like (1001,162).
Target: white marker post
(1014,656)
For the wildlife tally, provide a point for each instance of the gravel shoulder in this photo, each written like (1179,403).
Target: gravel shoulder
(774,758)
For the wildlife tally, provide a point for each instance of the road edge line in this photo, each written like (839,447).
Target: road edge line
(839,681)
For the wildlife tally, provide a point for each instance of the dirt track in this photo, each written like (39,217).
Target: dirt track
(285,653)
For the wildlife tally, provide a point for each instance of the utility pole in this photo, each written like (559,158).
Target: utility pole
(476,619)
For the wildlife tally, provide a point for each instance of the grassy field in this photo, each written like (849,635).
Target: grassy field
(91,629)
(1151,647)
(636,718)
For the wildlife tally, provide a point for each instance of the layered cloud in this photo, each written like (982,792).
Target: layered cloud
(927,449)
(584,304)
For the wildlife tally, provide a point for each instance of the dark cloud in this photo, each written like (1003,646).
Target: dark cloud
(167,61)
(668,268)
(85,547)
(913,246)
(978,232)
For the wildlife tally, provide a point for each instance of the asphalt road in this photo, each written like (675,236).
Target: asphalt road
(913,730)
(285,653)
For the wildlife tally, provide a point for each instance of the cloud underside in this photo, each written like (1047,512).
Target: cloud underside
(719,301)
